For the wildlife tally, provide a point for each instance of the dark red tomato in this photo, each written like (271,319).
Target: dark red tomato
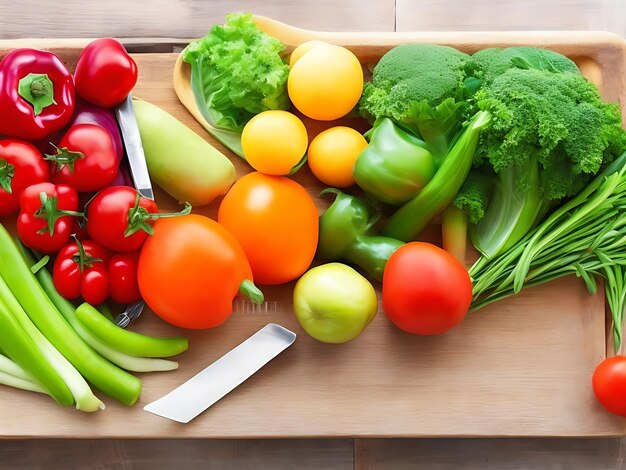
(21,165)
(609,384)
(46,218)
(426,290)
(120,219)
(105,73)
(80,270)
(124,288)
(85,159)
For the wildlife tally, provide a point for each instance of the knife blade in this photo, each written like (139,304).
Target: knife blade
(127,121)
(228,372)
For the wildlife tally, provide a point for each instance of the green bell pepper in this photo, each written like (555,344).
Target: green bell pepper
(395,165)
(347,233)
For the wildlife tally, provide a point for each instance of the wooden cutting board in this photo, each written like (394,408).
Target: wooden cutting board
(521,367)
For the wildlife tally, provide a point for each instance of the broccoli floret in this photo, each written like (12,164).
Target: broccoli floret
(550,133)
(473,196)
(557,118)
(492,62)
(422,87)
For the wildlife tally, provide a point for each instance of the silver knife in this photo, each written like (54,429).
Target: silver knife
(127,121)
(228,372)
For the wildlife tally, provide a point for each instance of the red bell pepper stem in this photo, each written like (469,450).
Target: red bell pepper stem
(38,90)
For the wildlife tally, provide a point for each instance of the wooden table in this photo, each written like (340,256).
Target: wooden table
(160,25)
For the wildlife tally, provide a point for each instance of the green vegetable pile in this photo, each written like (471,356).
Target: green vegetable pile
(236,73)
(550,133)
(530,127)
(49,346)
(586,237)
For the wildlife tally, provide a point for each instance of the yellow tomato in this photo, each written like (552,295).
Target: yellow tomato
(274,142)
(303,49)
(332,155)
(326,82)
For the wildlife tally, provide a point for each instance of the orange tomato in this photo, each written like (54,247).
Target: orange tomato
(276,222)
(190,271)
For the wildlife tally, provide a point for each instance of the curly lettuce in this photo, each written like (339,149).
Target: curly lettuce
(237,72)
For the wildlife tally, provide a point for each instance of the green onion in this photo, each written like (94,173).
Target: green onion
(108,378)
(126,341)
(586,237)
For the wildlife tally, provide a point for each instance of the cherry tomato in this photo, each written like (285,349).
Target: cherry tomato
(276,222)
(46,218)
(274,142)
(85,158)
(120,219)
(332,155)
(190,270)
(80,270)
(326,82)
(609,384)
(105,73)
(124,288)
(21,165)
(426,290)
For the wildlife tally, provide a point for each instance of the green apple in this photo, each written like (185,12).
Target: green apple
(334,303)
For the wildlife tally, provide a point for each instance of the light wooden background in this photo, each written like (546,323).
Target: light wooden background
(165,21)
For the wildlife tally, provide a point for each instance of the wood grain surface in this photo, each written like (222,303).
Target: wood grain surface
(518,368)
(180,18)
(149,20)
(520,15)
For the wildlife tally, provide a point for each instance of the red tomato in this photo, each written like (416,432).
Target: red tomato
(190,271)
(124,288)
(108,218)
(609,384)
(105,73)
(80,270)
(120,219)
(426,290)
(45,223)
(276,222)
(21,165)
(85,158)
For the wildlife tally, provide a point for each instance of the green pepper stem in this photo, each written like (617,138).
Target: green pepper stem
(138,217)
(63,158)
(251,291)
(7,172)
(51,213)
(371,253)
(82,258)
(37,89)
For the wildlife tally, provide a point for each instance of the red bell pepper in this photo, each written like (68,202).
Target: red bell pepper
(105,73)
(80,270)
(36,94)
(45,222)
